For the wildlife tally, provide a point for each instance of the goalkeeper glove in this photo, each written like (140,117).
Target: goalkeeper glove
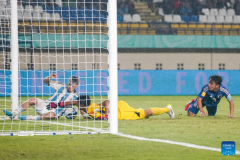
(102,117)
(61,104)
(51,105)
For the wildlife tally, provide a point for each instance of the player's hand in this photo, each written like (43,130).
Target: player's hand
(86,116)
(51,105)
(231,116)
(202,114)
(61,104)
(53,75)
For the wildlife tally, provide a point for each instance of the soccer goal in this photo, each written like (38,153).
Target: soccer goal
(44,45)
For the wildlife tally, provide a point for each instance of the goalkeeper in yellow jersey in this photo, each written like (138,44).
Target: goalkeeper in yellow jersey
(101,111)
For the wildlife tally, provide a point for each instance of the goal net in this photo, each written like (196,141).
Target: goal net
(54,44)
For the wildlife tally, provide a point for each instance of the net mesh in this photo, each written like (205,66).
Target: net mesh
(67,38)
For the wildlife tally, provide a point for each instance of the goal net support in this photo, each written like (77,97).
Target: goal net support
(64,37)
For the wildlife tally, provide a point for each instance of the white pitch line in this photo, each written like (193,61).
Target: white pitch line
(172,142)
(164,141)
(154,140)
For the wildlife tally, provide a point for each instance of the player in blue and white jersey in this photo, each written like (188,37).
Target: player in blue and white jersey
(47,109)
(210,96)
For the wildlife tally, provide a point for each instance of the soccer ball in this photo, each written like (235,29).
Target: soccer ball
(71,113)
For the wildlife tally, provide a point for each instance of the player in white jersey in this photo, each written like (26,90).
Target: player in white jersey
(47,109)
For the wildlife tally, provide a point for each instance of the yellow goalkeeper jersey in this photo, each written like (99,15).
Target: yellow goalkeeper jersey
(95,110)
(124,111)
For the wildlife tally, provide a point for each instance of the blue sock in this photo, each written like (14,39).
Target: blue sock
(20,108)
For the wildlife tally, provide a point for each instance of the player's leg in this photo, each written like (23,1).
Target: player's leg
(22,107)
(158,111)
(211,110)
(188,104)
(50,115)
(192,111)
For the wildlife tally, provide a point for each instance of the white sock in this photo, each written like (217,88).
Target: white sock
(33,117)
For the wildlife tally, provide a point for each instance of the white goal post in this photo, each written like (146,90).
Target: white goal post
(67,38)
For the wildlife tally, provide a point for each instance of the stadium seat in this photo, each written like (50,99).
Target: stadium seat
(205,11)
(236,19)
(174,25)
(222,12)
(36,15)
(220,19)
(143,25)
(177,18)
(119,18)
(213,11)
(20,8)
(218,26)
(184,25)
(185,18)
(20,14)
(168,18)
(211,19)
(136,18)
(134,25)
(127,18)
(194,18)
(160,11)
(203,18)
(38,9)
(228,19)
(192,25)
(46,16)
(227,26)
(230,12)
(27,15)
(29,8)
(56,16)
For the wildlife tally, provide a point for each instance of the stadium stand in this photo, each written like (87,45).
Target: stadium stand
(149,18)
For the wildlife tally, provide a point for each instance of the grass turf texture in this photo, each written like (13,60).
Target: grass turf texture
(207,131)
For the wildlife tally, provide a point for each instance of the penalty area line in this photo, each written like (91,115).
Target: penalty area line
(172,142)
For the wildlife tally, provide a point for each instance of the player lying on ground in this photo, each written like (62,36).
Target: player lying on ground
(210,96)
(47,109)
(100,111)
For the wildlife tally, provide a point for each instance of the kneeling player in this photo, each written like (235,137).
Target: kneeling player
(100,111)
(210,96)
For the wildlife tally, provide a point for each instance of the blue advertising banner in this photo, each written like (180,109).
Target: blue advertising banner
(130,82)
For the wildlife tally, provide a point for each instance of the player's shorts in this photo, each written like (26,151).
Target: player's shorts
(211,110)
(193,109)
(41,108)
(128,113)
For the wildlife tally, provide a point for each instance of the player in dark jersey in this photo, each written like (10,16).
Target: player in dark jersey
(210,96)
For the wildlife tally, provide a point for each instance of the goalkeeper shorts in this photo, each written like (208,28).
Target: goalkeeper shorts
(128,113)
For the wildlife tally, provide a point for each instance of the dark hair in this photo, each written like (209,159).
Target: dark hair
(217,79)
(85,100)
(74,79)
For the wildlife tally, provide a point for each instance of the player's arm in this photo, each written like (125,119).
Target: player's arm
(105,105)
(62,104)
(47,79)
(231,104)
(202,112)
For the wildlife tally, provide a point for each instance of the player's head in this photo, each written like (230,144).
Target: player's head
(214,82)
(73,82)
(84,100)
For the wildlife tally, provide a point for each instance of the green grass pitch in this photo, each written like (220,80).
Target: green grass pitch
(207,131)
